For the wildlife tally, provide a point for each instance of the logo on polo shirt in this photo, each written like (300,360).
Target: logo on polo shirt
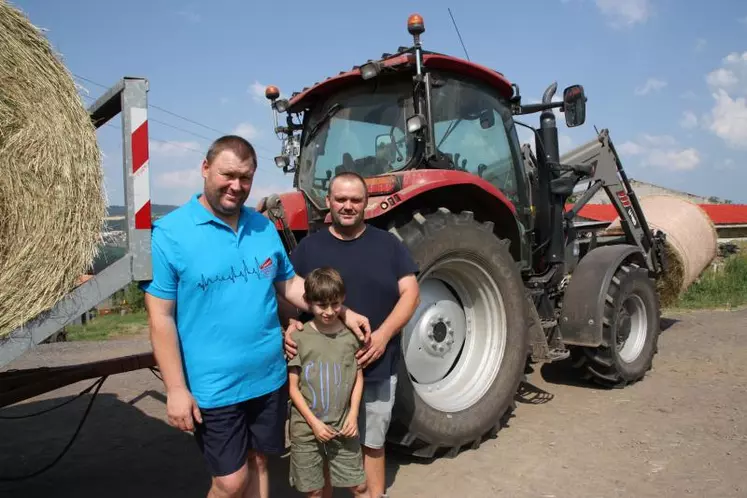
(262,270)
(266,268)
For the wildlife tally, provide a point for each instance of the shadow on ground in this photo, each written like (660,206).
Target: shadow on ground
(120,452)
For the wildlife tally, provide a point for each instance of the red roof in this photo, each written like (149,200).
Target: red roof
(720,214)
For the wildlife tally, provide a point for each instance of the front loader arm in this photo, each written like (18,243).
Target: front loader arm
(608,173)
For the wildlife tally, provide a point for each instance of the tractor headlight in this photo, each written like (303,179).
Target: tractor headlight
(281,105)
(370,70)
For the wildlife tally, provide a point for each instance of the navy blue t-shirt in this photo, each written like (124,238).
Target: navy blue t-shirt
(371,267)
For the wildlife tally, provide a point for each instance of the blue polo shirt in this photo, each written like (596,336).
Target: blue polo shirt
(226,309)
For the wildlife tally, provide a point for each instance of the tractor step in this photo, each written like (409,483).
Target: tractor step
(549,324)
(558,354)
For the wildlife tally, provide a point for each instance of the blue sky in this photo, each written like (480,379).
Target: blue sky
(667,77)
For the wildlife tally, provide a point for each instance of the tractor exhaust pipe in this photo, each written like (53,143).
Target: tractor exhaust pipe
(550,205)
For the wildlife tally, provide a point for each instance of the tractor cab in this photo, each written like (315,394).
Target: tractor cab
(367,128)
(410,118)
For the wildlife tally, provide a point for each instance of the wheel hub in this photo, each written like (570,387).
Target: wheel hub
(440,336)
(632,329)
(623,328)
(438,333)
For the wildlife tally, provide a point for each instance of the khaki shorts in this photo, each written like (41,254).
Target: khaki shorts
(343,455)
(375,412)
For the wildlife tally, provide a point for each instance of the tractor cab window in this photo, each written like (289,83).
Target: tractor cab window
(475,130)
(360,130)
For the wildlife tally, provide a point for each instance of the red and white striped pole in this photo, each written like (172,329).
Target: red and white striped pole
(140,163)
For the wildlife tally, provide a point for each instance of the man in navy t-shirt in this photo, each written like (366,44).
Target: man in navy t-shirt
(380,283)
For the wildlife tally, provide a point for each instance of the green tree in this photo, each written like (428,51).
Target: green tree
(134,297)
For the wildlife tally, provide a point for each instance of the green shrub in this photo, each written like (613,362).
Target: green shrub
(725,287)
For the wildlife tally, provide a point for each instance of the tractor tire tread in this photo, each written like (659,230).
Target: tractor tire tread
(598,364)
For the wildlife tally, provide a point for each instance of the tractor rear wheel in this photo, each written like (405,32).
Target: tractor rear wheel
(630,329)
(465,349)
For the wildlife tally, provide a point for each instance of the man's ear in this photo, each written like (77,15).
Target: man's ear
(204,168)
(326,200)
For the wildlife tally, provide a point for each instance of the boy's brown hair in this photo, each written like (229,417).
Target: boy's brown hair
(324,286)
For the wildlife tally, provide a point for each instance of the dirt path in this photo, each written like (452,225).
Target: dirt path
(681,432)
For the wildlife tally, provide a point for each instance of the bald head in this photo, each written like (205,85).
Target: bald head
(349,177)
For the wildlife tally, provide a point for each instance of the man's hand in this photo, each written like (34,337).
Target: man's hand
(358,324)
(374,350)
(182,410)
(350,428)
(291,348)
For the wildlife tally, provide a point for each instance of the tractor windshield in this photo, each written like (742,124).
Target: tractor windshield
(475,130)
(356,130)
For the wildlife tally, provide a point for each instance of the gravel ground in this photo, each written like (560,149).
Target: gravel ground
(680,432)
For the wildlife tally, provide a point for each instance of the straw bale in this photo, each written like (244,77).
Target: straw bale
(52,203)
(691,241)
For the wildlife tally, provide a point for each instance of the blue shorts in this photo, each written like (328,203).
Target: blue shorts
(228,434)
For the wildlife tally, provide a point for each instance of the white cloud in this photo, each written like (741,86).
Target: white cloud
(257,91)
(246,130)
(689,120)
(689,95)
(728,119)
(184,179)
(630,149)
(722,78)
(700,45)
(174,148)
(661,151)
(651,85)
(728,116)
(625,13)
(224,100)
(683,160)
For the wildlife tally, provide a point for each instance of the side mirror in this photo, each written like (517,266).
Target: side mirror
(574,105)
(487,119)
(385,147)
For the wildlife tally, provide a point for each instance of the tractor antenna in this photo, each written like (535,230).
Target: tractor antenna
(459,35)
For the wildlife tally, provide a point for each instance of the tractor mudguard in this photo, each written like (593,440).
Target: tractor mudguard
(583,304)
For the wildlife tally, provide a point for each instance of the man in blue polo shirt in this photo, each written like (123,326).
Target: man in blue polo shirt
(212,309)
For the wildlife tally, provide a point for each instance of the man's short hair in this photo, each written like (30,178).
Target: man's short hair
(350,175)
(324,285)
(236,144)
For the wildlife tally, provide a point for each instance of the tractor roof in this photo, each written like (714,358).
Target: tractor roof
(403,58)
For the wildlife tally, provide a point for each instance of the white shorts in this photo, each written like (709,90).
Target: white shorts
(375,412)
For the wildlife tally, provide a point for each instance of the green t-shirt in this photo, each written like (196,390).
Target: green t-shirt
(327,375)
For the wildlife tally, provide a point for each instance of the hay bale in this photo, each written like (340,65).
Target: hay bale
(691,241)
(51,182)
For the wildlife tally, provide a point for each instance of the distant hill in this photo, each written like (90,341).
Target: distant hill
(156,210)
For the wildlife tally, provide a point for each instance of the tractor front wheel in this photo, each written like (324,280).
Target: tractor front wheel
(465,349)
(630,330)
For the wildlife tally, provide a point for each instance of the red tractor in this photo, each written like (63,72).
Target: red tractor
(507,276)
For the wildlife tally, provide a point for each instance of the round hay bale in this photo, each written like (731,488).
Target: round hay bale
(691,241)
(51,182)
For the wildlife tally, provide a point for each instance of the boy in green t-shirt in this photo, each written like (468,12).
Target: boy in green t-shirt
(325,385)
